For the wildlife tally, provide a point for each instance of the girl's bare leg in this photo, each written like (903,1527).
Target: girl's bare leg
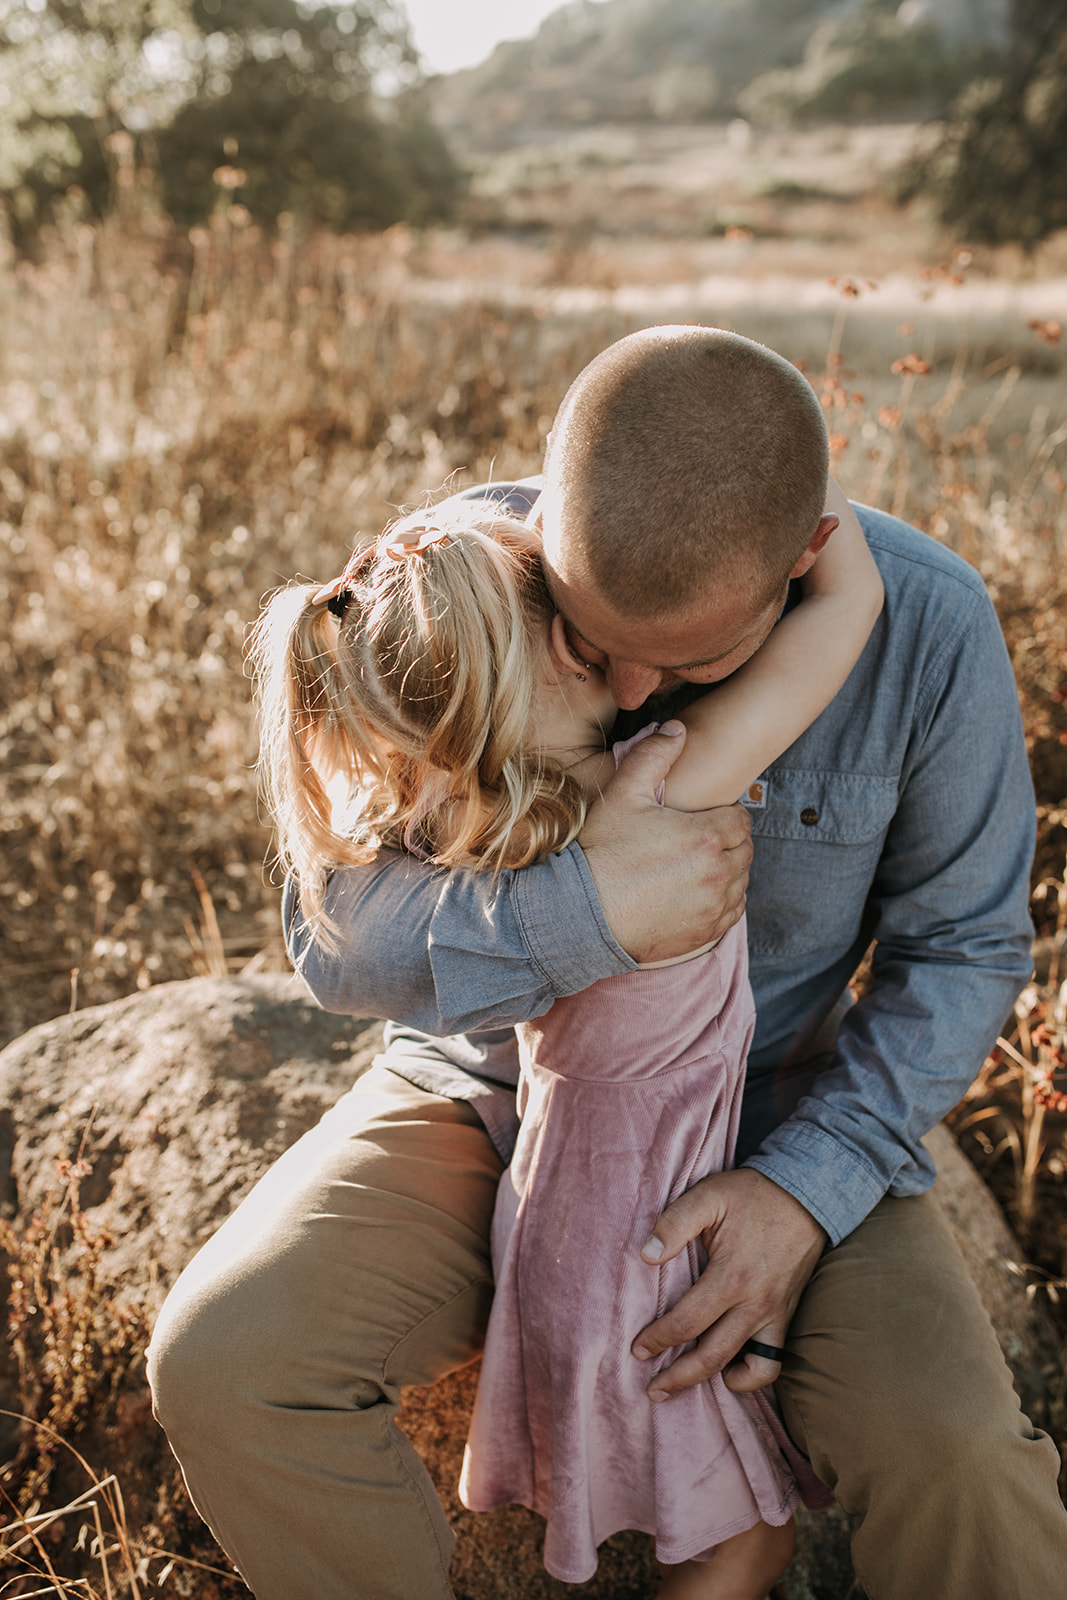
(742,1568)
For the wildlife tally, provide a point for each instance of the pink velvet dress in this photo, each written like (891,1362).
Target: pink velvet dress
(630,1092)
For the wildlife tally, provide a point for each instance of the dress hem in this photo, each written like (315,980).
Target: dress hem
(692,1550)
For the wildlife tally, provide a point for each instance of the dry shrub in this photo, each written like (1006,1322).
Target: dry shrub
(1013,1124)
(72,1342)
(937,453)
(941,457)
(77,1341)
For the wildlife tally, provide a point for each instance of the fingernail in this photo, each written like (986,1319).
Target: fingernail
(658,1394)
(672,729)
(652,1249)
(641,1353)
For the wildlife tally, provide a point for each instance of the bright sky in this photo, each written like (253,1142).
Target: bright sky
(459,33)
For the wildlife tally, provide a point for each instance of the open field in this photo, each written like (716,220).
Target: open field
(185,422)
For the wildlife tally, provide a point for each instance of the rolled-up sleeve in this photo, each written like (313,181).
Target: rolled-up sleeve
(948,909)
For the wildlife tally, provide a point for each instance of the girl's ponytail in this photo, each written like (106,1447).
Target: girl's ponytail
(305,735)
(396,706)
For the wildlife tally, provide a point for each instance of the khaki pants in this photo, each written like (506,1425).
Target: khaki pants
(361,1263)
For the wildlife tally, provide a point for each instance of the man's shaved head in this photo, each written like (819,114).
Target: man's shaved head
(683,457)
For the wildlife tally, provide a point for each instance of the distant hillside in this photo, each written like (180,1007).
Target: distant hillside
(689,60)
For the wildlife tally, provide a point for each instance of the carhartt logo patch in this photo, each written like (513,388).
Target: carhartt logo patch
(755,796)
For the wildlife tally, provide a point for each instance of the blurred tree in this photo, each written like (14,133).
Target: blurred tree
(999,172)
(731,39)
(877,60)
(308,108)
(631,60)
(286,95)
(73,73)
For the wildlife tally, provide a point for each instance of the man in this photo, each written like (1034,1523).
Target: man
(683,490)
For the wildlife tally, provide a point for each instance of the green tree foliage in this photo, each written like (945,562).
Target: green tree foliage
(71,71)
(286,92)
(284,96)
(999,173)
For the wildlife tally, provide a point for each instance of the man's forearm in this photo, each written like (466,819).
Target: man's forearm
(448,952)
(952,933)
(835,1154)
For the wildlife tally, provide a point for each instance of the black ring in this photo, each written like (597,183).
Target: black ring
(770,1352)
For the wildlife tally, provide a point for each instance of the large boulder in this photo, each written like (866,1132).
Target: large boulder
(149,1119)
(177,1100)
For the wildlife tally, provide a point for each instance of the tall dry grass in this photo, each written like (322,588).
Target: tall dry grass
(187,421)
(185,424)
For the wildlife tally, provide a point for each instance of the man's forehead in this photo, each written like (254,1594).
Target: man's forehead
(710,632)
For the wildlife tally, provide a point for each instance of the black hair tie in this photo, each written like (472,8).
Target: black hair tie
(337,602)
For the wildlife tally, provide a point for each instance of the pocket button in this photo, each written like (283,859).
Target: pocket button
(809,816)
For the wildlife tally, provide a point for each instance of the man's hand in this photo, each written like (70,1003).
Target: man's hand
(762,1248)
(668,880)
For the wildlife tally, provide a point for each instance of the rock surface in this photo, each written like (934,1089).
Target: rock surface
(179,1098)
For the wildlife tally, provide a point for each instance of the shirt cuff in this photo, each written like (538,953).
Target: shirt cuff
(835,1184)
(564,924)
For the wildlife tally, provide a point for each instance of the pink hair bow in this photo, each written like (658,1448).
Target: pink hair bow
(329,591)
(401,544)
(338,593)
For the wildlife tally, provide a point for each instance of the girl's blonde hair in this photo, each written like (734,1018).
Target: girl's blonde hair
(413,691)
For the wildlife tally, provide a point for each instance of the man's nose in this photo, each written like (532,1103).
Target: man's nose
(631,684)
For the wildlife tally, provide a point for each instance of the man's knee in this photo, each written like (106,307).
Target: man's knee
(240,1333)
(893,1360)
(312,1322)
(359,1263)
(203,1361)
(182,1365)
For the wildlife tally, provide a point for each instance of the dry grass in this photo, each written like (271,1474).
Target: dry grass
(78,1351)
(183,428)
(185,422)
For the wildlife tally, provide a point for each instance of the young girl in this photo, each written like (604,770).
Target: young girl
(428,701)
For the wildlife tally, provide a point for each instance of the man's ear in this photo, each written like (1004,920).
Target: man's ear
(533,516)
(827,524)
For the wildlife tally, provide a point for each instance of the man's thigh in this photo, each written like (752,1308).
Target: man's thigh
(895,1387)
(890,1329)
(362,1256)
(359,1263)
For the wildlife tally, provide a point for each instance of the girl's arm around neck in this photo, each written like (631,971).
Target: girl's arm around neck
(748,720)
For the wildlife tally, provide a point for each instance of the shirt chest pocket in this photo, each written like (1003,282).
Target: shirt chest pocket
(817,840)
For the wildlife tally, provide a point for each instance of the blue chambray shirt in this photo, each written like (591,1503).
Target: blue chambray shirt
(904,816)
